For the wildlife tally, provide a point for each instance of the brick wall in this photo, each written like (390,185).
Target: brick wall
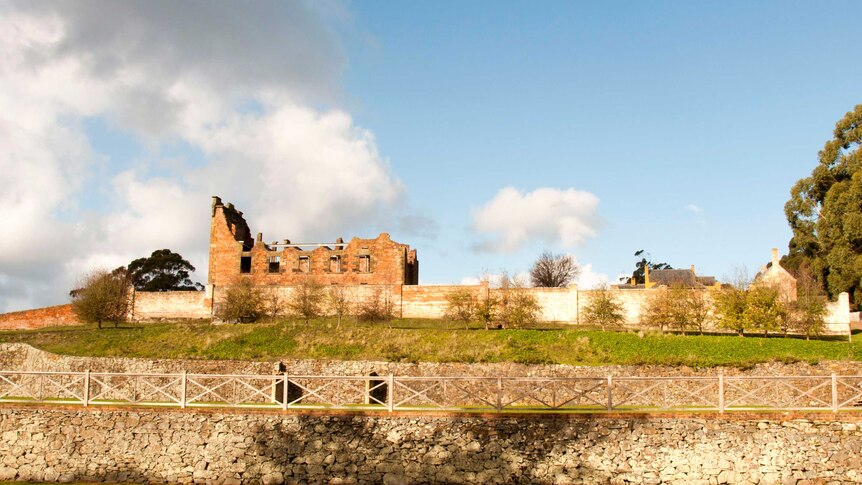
(388,262)
(51,316)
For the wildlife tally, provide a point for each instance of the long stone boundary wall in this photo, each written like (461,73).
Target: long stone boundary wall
(190,446)
(564,305)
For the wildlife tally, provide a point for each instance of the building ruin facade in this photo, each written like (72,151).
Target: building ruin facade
(235,255)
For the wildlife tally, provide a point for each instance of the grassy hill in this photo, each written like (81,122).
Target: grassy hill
(433,341)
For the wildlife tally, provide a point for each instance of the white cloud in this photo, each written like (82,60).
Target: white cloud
(694,209)
(589,279)
(168,72)
(514,219)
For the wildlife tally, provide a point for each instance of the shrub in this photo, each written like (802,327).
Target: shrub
(339,302)
(379,307)
(461,306)
(102,296)
(306,301)
(516,307)
(603,309)
(243,302)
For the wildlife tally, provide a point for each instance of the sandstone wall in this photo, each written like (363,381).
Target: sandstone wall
(160,446)
(158,305)
(51,316)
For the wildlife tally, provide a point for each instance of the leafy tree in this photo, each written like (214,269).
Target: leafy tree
(730,307)
(667,308)
(825,213)
(242,303)
(307,299)
(808,312)
(603,309)
(698,308)
(461,306)
(102,296)
(553,270)
(639,273)
(486,309)
(164,270)
(763,311)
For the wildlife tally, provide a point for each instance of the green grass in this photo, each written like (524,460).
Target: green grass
(426,340)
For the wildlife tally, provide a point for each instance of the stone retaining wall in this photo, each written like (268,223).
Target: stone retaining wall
(158,446)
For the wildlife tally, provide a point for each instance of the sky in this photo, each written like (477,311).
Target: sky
(481,133)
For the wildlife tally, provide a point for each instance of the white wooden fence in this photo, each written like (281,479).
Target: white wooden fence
(391,393)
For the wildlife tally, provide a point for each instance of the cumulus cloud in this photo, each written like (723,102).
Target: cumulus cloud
(514,219)
(168,73)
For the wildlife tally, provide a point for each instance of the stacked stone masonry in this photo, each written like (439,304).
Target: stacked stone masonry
(159,446)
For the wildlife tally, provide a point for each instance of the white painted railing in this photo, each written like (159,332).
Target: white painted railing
(391,393)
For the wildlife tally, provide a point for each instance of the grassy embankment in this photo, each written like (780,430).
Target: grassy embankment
(434,341)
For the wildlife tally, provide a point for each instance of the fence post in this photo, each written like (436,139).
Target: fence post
(499,394)
(87,387)
(183,391)
(721,391)
(284,392)
(834,393)
(610,394)
(390,394)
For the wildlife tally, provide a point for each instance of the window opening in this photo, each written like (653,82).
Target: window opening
(274,264)
(365,264)
(245,264)
(304,264)
(335,264)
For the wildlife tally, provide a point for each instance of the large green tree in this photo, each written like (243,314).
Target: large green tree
(164,270)
(825,213)
(639,274)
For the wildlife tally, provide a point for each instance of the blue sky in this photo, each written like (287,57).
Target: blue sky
(479,132)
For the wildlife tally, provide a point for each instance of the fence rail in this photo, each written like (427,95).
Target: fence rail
(391,393)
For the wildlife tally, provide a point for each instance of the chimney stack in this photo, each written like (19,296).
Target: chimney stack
(692,269)
(774,255)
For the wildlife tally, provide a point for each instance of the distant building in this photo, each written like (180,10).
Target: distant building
(773,274)
(679,278)
(234,255)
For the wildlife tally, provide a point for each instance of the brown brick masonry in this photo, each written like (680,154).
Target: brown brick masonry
(51,316)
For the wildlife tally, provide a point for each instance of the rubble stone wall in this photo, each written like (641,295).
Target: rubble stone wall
(186,446)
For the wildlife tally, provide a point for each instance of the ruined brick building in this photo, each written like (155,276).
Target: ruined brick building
(234,254)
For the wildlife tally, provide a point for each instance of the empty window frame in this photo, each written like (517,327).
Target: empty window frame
(335,264)
(365,263)
(304,264)
(274,264)
(245,264)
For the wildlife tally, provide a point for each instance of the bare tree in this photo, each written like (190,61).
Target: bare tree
(307,299)
(339,303)
(102,296)
(273,302)
(379,307)
(242,303)
(553,270)
(516,307)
